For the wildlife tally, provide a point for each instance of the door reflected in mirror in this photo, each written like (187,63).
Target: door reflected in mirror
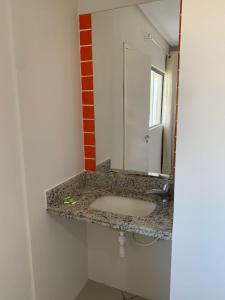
(135,65)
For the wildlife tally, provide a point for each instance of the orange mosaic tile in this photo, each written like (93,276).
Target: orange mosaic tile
(85,21)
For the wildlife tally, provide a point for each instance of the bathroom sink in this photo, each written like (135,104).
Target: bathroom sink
(124,206)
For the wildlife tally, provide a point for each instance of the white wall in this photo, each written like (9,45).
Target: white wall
(110,29)
(145,271)
(46,52)
(16,270)
(86,6)
(198,260)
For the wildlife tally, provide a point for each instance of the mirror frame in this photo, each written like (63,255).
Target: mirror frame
(87,91)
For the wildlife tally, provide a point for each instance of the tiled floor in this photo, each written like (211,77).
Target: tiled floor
(97,291)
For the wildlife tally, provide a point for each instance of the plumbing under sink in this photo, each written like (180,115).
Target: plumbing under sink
(124,206)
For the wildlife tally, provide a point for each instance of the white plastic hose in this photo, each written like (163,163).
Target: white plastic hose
(122,243)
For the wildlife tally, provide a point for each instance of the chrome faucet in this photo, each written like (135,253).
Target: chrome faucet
(163,193)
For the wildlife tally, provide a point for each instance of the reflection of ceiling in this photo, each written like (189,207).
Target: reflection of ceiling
(164,15)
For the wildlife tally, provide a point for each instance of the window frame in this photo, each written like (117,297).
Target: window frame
(154,69)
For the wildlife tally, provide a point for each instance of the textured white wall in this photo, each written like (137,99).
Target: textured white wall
(16,270)
(46,48)
(198,260)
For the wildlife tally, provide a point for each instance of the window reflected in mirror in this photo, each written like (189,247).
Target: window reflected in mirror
(156,97)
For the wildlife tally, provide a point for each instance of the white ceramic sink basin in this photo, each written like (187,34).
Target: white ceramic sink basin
(124,206)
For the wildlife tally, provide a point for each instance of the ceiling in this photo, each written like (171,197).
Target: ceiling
(164,15)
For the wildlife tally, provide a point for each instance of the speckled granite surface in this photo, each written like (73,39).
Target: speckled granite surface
(104,166)
(87,187)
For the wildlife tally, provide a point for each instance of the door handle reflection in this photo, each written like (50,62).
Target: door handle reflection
(147,138)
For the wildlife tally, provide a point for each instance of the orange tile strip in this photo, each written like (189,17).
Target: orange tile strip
(87,86)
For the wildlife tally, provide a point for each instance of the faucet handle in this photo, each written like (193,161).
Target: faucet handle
(166,187)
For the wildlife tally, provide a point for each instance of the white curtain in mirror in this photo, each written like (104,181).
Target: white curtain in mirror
(169,111)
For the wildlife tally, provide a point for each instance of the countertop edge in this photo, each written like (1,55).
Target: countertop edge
(150,232)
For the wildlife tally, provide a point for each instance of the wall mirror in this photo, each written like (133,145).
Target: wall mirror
(135,68)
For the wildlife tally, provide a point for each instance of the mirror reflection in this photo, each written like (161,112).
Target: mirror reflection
(135,53)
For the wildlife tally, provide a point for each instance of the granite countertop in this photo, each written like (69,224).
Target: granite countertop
(158,224)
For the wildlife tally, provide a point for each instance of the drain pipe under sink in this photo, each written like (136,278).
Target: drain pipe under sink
(122,243)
